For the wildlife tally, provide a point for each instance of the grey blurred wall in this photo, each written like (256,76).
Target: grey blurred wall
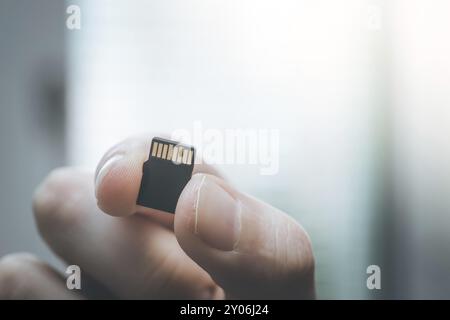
(31,113)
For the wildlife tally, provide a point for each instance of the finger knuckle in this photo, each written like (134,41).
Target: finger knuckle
(15,274)
(55,199)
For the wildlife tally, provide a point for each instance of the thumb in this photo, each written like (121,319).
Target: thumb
(249,248)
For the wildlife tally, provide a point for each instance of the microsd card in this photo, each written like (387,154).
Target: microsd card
(165,173)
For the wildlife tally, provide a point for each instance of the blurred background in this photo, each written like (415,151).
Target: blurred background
(358,89)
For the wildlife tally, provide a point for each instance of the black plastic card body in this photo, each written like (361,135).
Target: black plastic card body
(165,174)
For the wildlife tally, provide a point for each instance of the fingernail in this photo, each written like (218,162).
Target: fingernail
(103,171)
(217,216)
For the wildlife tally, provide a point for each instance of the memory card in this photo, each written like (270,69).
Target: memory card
(165,174)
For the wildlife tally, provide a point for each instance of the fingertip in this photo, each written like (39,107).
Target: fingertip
(185,211)
(117,185)
(208,211)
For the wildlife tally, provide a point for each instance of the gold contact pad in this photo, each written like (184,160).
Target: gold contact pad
(172,153)
(154,149)
(164,153)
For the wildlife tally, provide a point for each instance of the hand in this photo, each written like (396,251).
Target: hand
(220,243)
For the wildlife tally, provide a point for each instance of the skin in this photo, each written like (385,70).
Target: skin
(220,244)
